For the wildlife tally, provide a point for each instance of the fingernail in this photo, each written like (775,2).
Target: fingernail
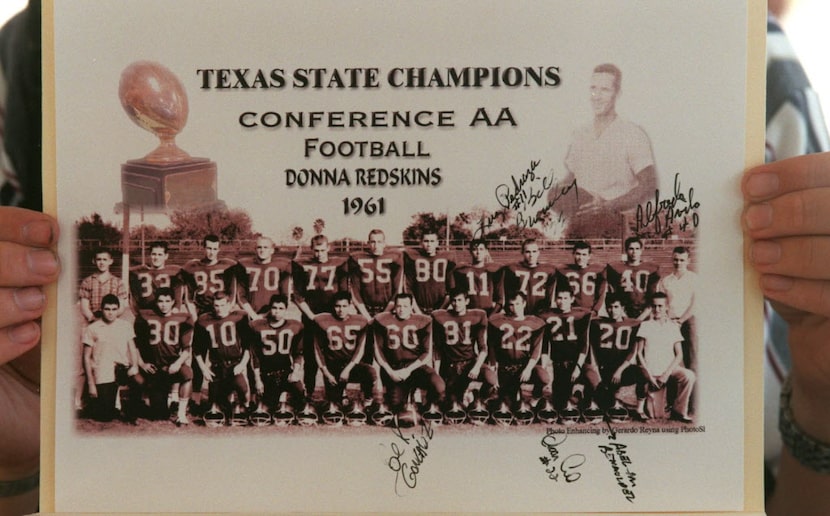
(758,216)
(765,253)
(762,185)
(29,298)
(38,232)
(23,333)
(42,262)
(777,283)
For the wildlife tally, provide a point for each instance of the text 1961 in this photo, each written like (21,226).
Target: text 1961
(369,206)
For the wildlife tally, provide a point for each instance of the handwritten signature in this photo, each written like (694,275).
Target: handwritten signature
(408,454)
(568,466)
(621,465)
(662,213)
(529,197)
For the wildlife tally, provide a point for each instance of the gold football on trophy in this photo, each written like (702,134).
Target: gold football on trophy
(155,100)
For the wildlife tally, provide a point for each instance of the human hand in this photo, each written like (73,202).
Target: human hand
(26,265)
(344,375)
(787,220)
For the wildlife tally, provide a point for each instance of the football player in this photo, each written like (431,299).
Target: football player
(375,276)
(613,361)
(164,338)
(535,280)
(403,350)
(145,279)
(478,279)
(209,275)
(566,345)
(515,347)
(263,277)
(317,281)
(586,280)
(221,345)
(278,355)
(339,347)
(460,344)
(633,280)
(428,273)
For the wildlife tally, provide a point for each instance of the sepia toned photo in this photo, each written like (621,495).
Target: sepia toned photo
(402,262)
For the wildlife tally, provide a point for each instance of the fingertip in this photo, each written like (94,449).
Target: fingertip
(40,233)
(17,340)
(760,183)
(25,335)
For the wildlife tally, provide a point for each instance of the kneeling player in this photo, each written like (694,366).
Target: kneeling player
(460,343)
(221,339)
(566,344)
(515,344)
(614,360)
(339,347)
(278,355)
(403,349)
(164,339)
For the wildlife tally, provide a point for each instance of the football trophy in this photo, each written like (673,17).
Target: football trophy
(167,177)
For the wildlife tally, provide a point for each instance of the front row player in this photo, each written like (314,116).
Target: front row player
(613,363)
(339,346)
(110,360)
(515,344)
(164,338)
(278,355)
(403,349)
(220,341)
(460,344)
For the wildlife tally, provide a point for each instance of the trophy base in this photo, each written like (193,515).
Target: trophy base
(174,186)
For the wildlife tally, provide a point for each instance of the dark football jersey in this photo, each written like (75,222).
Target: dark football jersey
(427,278)
(402,342)
(479,283)
(145,280)
(612,341)
(160,338)
(276,347)
(566,334)
(260,281)
(316,283)
(375,279)
(459,337)
(338,340)
(634,283)
(511,341)
(536,283)
(205,279)
(222,340)
(588,284)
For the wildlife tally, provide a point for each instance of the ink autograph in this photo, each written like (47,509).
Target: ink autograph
(568,467)
(621,465)
(408,454)
(662,213)
(527,198)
